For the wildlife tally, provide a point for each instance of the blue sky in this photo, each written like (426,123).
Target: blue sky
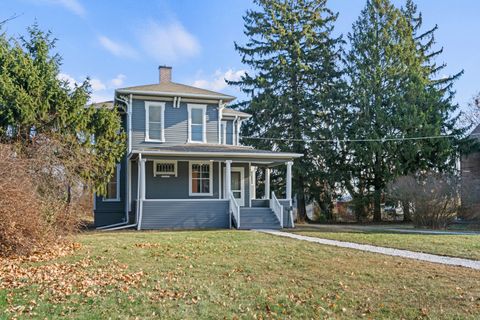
(121,43)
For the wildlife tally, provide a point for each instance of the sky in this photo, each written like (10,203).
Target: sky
(121,43)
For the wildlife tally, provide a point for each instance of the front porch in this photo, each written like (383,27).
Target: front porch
(181,192)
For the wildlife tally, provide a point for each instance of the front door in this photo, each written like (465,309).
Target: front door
(238,184)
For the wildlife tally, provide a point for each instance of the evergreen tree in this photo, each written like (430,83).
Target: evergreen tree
(394,94)
(35,105)
(293,84)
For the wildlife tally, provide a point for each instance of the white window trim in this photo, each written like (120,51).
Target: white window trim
(148,104)
(224,131)
(118,187)
(160,174)
(190,193)
(202,107)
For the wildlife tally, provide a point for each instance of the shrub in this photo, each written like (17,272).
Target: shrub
(433,198)
(34,212)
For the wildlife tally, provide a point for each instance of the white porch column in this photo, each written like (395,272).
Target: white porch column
(141,188)
(267,183)
(228,178)
(289,180)
(253,182)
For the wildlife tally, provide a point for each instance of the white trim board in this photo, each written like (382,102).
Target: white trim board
(190,193)
(242,190)
(282,156)
(149,104)
(117,199)
(203,108)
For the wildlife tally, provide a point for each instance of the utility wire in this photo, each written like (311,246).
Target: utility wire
(229,134)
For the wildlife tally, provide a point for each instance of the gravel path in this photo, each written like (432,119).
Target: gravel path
(473,264)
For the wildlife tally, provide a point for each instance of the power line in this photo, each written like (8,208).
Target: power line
(229,134)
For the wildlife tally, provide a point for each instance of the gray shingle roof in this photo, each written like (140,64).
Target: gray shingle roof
(214,148)
(233,112)
(172,87)
(104,104)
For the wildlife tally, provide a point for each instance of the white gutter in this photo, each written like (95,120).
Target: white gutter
(176,94)
(221,154)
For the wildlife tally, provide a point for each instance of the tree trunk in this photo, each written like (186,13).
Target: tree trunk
(301,206)
(377,205)
(407,214)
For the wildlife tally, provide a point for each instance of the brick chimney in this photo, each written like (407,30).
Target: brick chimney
(165,74)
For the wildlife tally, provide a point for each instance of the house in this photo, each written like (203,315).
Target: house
(185,167)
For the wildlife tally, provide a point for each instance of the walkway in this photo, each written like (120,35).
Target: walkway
(399,228)
(473,264)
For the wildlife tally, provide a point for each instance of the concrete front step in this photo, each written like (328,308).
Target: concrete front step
(258,218)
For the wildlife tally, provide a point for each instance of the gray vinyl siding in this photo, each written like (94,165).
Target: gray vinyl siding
(175,187)
(185,214)
(178,187)
(111,212)
(175,124)
(229,133)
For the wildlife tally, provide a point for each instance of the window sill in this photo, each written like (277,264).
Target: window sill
(110,200)
(154,140)
(200,194)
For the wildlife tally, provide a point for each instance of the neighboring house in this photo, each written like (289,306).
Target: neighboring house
(185,167)
(470,175)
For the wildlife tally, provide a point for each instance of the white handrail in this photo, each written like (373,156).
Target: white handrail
(235,209)
(277,208)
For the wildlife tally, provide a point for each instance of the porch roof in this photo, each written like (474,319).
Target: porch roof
(217,151)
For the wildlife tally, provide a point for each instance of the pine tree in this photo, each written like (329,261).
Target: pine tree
(35,104)
(394,94)
(293,83)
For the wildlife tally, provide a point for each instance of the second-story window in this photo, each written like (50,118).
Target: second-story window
(197,119)
(154,120)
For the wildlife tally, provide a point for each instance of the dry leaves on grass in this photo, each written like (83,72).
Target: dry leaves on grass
(57,281)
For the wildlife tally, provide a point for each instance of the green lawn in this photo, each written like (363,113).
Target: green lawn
(231,274)
(464,246)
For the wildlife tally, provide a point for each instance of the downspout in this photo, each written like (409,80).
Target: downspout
(126,222)
(141,190)
(120,225)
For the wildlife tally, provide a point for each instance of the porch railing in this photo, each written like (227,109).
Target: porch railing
(235,210)
(277,208)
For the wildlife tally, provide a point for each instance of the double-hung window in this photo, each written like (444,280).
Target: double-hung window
(201,178)
(197,123)
(113,186)
(154,121)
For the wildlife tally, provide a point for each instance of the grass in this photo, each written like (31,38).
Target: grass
(234,275)
(463,246)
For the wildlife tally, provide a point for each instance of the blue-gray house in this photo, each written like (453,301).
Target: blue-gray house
(185,167)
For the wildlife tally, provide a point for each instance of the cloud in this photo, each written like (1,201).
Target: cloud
(97,85)
(118,80)
(67,78)
(72,5)
(116,48)
(100,91)
(217,80)
(167,43)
